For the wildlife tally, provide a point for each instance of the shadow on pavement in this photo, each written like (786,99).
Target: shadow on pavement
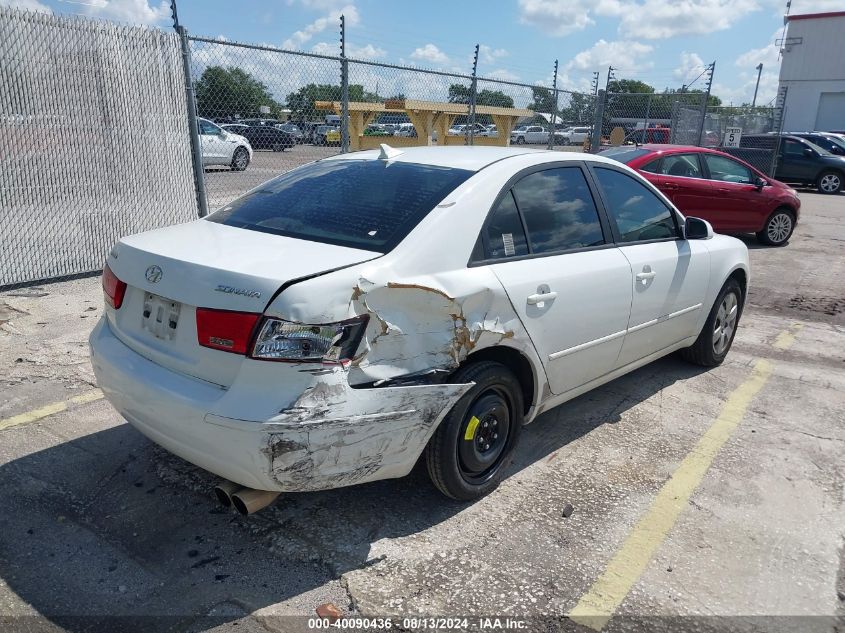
(108,524)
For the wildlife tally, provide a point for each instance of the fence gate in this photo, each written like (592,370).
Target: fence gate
(92,120)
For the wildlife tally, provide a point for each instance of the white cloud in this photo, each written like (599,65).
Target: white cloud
(746,77)
(29,5)
(355,52)
(561,17)
(502,73)
(319,5)
(622,54)
(129,11)
(690,67)
(331,20)
(430,53)
(658,19)
(489,55)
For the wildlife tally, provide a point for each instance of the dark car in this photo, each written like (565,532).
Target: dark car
(705,183)
(798,160)
(268,137)
(293,130)
(829,142)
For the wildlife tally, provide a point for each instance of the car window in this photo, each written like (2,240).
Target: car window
(207,127)
(368,204)
(727,170)
(793,148)
(686,165)
(652,166)
(639,214)
(505,235)
(559,210)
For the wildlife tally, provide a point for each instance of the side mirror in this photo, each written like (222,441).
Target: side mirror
(760,183)
(697,229)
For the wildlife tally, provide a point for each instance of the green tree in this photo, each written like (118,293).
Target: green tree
(229,92)
(628,86)
(459,93)
(302,102)
(543,100)
(579,109)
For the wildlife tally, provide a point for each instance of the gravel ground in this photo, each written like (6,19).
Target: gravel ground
(99,523)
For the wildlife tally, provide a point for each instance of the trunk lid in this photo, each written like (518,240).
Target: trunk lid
(171,272)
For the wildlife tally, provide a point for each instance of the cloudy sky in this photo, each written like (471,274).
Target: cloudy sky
(666,43)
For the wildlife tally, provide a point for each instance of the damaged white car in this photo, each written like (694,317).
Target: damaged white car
(338,322)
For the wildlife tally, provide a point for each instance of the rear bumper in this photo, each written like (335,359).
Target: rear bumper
(330,436)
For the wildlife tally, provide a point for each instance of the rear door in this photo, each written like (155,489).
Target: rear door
(796,165)
(569,284)
(682,179)
(737,204)
(670,274)
(214,149)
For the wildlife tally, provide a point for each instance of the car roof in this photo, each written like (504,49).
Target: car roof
(469,157)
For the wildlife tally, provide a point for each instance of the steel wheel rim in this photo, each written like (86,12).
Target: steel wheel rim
(779,227)
(725,323)
(830,182)
(482,446)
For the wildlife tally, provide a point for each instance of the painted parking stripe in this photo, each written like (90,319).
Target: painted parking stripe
(50,409)
(786,338)
(596,607)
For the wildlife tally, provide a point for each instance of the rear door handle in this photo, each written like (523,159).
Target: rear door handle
(540,297)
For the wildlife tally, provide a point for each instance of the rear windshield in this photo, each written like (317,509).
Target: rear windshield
(366,204)
(624,154)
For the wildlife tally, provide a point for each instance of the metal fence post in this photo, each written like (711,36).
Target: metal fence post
(344,90)
(554,110)
(711,70)
(193,124)
(473,94)
(780,104)
(595,137)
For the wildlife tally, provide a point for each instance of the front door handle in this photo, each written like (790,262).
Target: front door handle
(541,297)
(645,276)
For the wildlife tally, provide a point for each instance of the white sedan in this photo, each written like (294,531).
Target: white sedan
(223,147)
(341,320)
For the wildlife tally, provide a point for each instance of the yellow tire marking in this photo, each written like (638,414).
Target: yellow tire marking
(50,409)
(786,338)
(469,434)
(596,607)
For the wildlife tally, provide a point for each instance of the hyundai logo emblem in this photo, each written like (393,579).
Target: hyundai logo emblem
(153,274)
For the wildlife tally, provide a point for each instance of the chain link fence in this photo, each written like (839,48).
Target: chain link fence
(93,119)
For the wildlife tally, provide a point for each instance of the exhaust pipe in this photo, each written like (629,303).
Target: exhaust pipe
(224,491)
(248,500)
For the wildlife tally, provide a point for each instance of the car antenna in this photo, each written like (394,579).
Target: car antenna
(388,152)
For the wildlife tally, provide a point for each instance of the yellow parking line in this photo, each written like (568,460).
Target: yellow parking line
(786,338)
(596,607)
(50,409)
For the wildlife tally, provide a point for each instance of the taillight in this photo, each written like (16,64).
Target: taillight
(113,288)
(308,343)
(225,330)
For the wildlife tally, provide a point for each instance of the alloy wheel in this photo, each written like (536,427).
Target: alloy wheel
(779,228)
(725,323)
(830,183)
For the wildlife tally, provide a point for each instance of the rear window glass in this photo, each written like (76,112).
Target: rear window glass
(624,154)
(367,204)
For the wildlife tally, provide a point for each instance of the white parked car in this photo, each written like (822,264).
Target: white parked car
(572,135)
(222,147)
(529,134)
(355,313)
(461,130)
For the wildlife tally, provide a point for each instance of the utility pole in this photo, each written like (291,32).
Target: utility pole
(344,89)
(554,110)
(756,87)
(470,136)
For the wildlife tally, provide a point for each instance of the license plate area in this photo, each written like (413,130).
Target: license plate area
(160,316)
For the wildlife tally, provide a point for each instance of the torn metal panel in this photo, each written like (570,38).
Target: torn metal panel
(334,435)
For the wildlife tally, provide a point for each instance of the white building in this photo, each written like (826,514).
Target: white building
(813,72)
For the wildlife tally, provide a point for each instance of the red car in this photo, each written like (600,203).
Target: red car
(727,192)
